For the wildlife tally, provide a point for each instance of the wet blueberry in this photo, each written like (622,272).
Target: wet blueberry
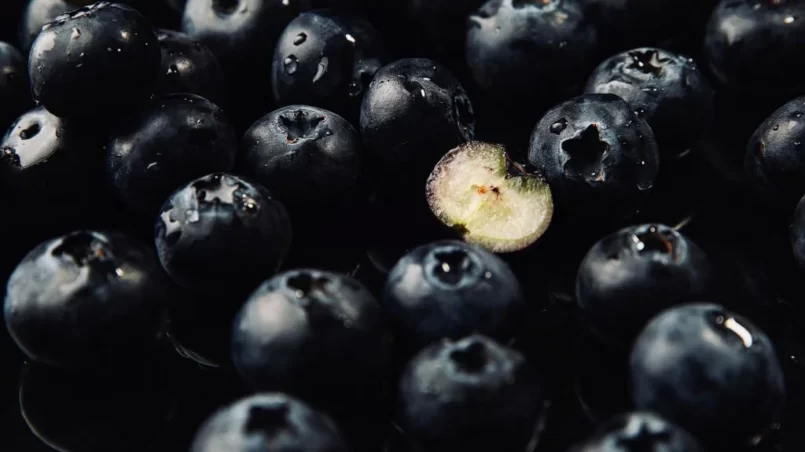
(710,371)
(85,299)
(326,58)
(222,233)
(470,395)
(774,158)
(451,289)
(412,114)
(14,91)
(665,89)
(188,66)
(638,432)
(268,421)
(39,13)
(94,61)
(317,335)
(168,142)
(752,47)
(598,156)
(634,274)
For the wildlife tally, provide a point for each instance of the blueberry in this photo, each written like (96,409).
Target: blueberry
(797,233)
(598,156)
(168,142)
(527,51)
(326,58)
(242,34)
(634,274)
(665,89)
(470,395)
(188,66)
(752,47)
(710,371)
(451,289)
(412,114)
(94,61)
(268,421)
(14,91)
(223,233)
(640,431)
(85,299)
(317,335)
(774,160)
(311,158)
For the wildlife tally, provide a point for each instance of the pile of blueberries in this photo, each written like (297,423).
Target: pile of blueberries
(402,225)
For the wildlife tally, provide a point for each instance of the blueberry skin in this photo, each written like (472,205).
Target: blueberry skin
(222,233)
(514,48)
(268,421)
(94,61)
(470,395)
(774,161)
(85,299)
(796,233)
(14,90)
(634,274)
(667,90)
(412,114)
(310,157)
(710,371)
(450,289)
(318,335)
(640,431)
(326,58)
(598,156)
(168,142)
(188,66)
(759,57)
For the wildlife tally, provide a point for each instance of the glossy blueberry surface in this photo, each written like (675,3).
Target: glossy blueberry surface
(210,226)
(188,66)
(634,274)
(85,299)
(599,157)
(710,371)
(640,431)
(450,289)
(169,141)
(470,394)
(326,59)
(272,421)
(97,58)
(665,89)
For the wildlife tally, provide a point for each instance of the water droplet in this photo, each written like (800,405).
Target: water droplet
(354,89)
(640,112)
(151,166)
(789,19)
(76,33)
(558,126)
(173,70)
(321,70)
(797,143)
(299,39)
(291,64)
(776,127)
(350,38)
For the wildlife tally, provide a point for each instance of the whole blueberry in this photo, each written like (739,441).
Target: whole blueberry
(168,142)
(598,156)
(242,34)
(412,114)
(639,431)
(470,395)
(326,58)
(752,47)
(14,91)
(268,421)
(85,299)
(311,158)
(796,233)
(710,371)
(188,66)
(665,89)
(632,275)
(222,233)
(94,61)
(317,335)
(522,51)
(451,289)
(774,159)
